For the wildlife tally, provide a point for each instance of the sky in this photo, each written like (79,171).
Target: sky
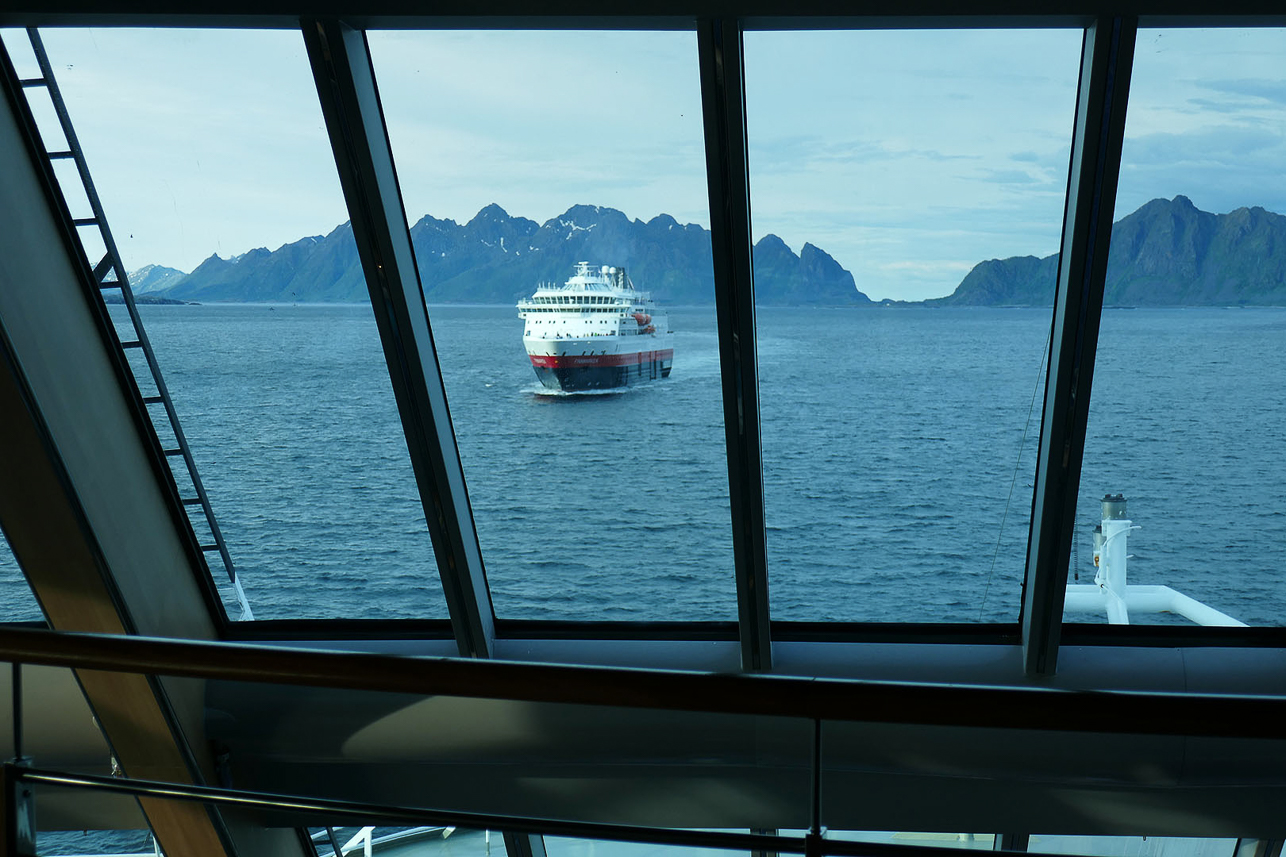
(909,156)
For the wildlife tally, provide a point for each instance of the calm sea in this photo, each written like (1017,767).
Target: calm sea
(899,450)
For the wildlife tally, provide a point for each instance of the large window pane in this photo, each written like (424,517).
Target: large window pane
(899,424)
(521,154)
(208,150)
(1185,417)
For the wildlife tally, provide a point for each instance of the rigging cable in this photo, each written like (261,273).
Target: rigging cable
(1022,444)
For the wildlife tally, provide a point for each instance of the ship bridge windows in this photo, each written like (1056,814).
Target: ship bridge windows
(865,415)
(897,442)
(586,544)
(920,154)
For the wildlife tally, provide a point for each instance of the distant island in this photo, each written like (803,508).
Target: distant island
(1167,253)
(148,299)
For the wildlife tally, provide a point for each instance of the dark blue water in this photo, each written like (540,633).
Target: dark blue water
(1186,420)
(892,439)
(898,462)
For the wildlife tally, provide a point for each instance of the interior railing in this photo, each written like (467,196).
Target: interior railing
(815,700)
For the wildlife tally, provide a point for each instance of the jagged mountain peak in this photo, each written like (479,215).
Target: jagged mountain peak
(154,278)
(213,259)
(589,216)
(773,243)
(254,253)
(489,212)
(430,222)
(494,219)
(584,210)
(814,257)
(812,251)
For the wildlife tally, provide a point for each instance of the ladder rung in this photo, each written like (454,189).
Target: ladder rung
(191,501)
(104,267)
(208,548)
(153,400)
(133,343)
(33,81)
(114,284)
(57,156)
(84,221)
(173,451)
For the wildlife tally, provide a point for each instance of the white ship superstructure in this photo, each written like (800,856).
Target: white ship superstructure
(596,331)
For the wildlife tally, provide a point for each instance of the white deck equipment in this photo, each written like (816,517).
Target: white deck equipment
(1111,594)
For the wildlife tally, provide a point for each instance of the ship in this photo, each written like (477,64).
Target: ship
(595,332)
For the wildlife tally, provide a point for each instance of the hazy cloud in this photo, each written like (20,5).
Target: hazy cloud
(1206,120)
(1010,177)
(1273,91)
(860,144)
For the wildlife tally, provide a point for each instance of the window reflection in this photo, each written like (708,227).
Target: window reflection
(558,846)
(899,426)
(972,841)
(409,841)
(1184,419)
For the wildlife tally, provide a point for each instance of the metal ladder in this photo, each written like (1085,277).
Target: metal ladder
(110,275)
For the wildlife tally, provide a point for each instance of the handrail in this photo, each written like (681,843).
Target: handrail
(367,813)
(1025,708)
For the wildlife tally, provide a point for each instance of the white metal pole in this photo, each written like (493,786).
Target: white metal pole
(1112,571)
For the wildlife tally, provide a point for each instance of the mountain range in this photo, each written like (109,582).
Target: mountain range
(498,258)
(1167,253)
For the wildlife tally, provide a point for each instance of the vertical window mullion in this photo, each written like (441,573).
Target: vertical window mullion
(1106,62)
(354,119)
(723,104)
